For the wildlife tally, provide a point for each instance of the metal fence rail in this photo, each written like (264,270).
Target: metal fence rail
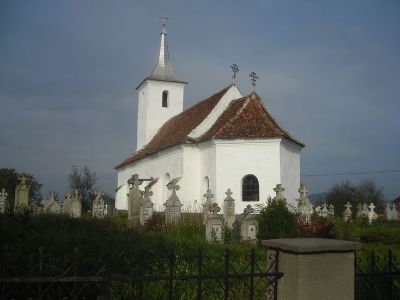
(149,277)
(377,278)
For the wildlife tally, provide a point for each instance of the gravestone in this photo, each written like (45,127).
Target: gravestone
(196,206)
(76,204)
(249,225)
(207,205)
(363,211)
(372,216)
(347,214)
(3,201)
(391,213)
(214,224)
(51,204)
(318,210)
(146,209)
(229,209)
(35,208)
(173,206)
(135,197)
(98,207)
(279,189)
(324,212)
(303,203)
(331,211)
(22,193)
(66,207)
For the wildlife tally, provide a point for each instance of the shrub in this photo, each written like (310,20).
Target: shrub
(277,221)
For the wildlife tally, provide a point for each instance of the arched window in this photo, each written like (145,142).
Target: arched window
(165,98)
(250,188)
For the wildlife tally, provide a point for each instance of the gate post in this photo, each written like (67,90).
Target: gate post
(315,268)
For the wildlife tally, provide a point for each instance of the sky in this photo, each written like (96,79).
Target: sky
(329,73)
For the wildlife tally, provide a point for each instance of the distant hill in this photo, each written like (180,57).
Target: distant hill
(320,197)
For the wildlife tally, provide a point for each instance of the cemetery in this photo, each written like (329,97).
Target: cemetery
(210,238)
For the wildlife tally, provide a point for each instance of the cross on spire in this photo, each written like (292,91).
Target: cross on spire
(164,19)
(235,70)
(253,78)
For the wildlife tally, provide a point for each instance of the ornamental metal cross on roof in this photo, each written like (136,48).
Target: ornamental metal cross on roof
(164,19)
(235,70)
(253,79)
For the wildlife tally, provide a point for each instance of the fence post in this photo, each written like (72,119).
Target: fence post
(315,268)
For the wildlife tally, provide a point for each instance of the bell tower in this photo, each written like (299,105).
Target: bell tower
(160,95)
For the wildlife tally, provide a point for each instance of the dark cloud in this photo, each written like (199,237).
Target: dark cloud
(329,74)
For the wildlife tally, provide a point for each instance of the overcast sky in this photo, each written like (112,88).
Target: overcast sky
(329,72)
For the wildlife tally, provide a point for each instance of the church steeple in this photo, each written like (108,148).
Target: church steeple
(163,70)
(160,95)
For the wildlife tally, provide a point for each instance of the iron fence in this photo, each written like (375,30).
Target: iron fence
(149,276)
(377,277)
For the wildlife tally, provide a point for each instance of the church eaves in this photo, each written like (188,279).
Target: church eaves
(163,70)
(244,118)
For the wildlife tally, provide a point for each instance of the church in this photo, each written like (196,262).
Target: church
(227,140)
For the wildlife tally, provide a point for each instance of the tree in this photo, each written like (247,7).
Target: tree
(9,181)
(83,180)
(365,192)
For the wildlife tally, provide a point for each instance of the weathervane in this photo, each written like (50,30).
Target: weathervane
(253,79)
(235,69)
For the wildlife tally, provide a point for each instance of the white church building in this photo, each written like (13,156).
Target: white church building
(224,141)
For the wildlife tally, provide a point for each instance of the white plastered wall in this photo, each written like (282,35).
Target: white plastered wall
(290,166)
(151,114)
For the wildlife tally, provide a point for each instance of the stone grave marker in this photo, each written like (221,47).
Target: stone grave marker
(135,197)
(98,207)
(173,206)
(391,212)
(249,225)
(372,216)
(214,224)
(146,209)
(66,207)
(303,203)
(207,205)
(347,214)
(331,211)
(229,209)
(22,193)
(279,189)
(76,204)
(324,211)
(3,201)
(51,204)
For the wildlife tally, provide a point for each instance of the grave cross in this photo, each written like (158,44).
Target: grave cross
(147,192)
(371,206)
(348,205)
(248,210)
(303,191)
(228,193)
(3,195)
(23,178)
(173,184)
(134,181)
(235,70)
(208,195)
(253,79)
(214,208)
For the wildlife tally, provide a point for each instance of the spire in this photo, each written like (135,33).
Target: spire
(163,70)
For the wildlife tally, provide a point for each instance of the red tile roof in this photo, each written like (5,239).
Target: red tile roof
(245,118)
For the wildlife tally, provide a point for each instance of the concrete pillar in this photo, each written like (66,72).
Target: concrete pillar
(315,268)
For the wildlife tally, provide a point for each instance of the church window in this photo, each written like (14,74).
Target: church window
(250,188)
(165,99)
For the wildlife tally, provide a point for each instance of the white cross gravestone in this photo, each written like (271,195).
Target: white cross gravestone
(3,201)
(391,213)
(76,204)
(98,207)
(347,214)
(371,214)
(135,197)
(279,189)
(214,224)
(173,206)
(324,211)
(303,203)
(22,193)
(207,205)
(249,225)
(229,209)
(51,204)
(146,209)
